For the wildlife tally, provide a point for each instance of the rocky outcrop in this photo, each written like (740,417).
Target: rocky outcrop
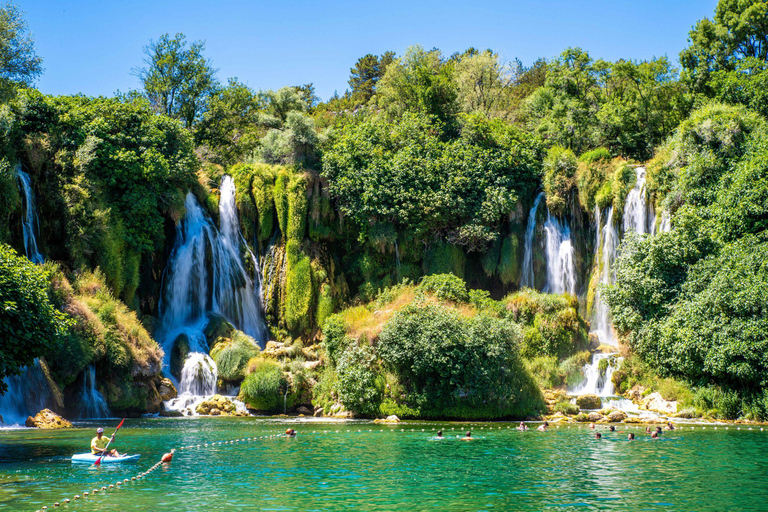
(48,420)
(218,405)
(616,416)
(167,390)
(589,402)
(389,419)
(594,416)
(656,403)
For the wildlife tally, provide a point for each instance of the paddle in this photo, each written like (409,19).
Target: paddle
(98,461)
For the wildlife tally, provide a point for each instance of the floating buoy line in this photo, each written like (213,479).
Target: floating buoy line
(122,484)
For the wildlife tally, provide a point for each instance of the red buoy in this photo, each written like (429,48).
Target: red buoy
(168,456)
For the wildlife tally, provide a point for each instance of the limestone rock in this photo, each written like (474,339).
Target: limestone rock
(635,393)
(311,365)
(179,352)
(318,411)
(275,349)
(589,402)
(594,416)
(304,410)
(47,419)
(217,327)
(617,416)
(217,405)
(171,414)
(167,390)
(655,402)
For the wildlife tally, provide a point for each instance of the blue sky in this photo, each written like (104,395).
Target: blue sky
(90,47)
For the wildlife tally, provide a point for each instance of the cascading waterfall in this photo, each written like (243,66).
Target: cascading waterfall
(206,274)
(561,273)
(28,393)
(597,380)
(30,224)
(666,222)
(526,279)
(609,238)
(92,402)
(635,206)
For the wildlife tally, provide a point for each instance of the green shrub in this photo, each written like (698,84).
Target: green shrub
(595,155)
(299,292)
(297,208)
(264,389)
(567,408)
(545,370)
(232,358)
(560,167)
(445,287)
(360,388)
(335,339)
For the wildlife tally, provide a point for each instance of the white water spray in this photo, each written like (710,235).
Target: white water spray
(30,223)
(609,239)
(28,393)
(92,402)
(561,273)
(597,381)
(635,207)
(526,279)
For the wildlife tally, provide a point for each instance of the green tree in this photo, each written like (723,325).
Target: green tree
(30,325)
(368,70)
(178,79)
(230,127)
(484,83)
(738,31)
(19,64)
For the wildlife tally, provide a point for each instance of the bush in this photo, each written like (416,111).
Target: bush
(567,408)
(359,387)
(559,178)
(445,287)
(299,292)
(545,371)
(232,358)
(264,389)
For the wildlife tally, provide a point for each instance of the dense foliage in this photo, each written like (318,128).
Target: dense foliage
(30,325)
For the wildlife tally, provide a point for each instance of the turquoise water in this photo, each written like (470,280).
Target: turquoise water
(384,468)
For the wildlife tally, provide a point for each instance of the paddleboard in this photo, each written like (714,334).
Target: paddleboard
(90,458)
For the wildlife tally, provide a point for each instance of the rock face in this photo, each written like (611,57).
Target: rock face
(655,402)
(179,352)
(167,390)
(589,402)
(47,419)
(217,405)
(595,416)
(617,416)
(304,410)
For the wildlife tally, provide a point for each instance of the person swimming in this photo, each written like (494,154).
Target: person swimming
(99,444)
(522,426)
(290,433)
(647,430)
(612,428)
(655,435)
(440,434)
(670,426)
(598,435)
(631,436)
(467,436)
(543,427)
(658,430)
(592,426)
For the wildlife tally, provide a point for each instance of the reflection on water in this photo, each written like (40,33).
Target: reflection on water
(383,468)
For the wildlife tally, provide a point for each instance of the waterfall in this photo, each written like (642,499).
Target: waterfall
(92,402)
(603,327)
(198,377)
(527,278)
(206,274)
(666,222)
(635,207)
(561,274)
(28,393)
(30,224)
(597,381)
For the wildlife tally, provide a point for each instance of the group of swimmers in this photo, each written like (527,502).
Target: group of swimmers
(631,436)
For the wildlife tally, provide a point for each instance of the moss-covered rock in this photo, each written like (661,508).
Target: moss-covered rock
(179,352)
(217,405)
(589,402)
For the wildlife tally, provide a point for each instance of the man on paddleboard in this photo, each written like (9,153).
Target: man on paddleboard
(99,444)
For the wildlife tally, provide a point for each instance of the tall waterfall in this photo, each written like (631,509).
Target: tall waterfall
(30,223)
(597,380)
(526,279)
(609,238)
(561,273)
(635,207)
(206,274)
(27,394)
(92,402)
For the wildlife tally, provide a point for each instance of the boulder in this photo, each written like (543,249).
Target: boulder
(589,402)
(393,419)
(594,416)
(318,411)
(217,405)
(171,414)
(167,390)
(217,327)
(311,365)
(179,352)
(655,402)
(617,416)
(47,419)
(635,393)
(275,349)
(304,410)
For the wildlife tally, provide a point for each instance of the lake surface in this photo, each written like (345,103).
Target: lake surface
(332,466)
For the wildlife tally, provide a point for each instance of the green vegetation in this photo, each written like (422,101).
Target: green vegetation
(264,387)
(30,325)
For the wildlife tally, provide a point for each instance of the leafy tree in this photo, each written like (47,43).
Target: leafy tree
(279,103)
(419,81)
(484,83)
(368,70)
(230,126)
(738,31)
(19,64)
(30,325)
(178,79)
